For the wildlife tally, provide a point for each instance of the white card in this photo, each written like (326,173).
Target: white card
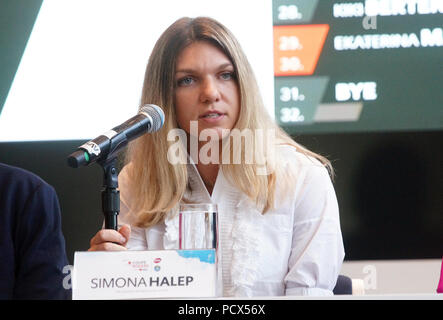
(144,274)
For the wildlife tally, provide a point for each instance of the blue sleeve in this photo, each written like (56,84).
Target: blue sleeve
(40,248)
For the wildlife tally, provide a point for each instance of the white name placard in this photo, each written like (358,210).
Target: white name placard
(144,274)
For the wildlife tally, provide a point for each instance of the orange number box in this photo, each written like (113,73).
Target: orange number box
(297,48)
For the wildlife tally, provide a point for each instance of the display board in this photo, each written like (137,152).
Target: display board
(356,66)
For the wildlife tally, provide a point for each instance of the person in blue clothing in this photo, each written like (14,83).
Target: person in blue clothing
(32,246)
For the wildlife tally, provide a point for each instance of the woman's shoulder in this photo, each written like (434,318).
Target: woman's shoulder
(292,156)
(300,166)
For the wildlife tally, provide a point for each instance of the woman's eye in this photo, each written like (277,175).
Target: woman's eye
(227,75)
(186,81)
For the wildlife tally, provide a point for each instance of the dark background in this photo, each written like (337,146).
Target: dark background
(389,185)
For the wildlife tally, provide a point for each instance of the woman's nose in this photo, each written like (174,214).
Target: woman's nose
(209,91)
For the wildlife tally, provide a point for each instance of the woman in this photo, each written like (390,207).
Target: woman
(279,223)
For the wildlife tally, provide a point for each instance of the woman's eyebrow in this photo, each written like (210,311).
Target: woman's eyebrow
(225,65)
(190,70)
(185,71)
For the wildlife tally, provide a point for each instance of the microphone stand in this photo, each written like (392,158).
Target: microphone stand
(110,193)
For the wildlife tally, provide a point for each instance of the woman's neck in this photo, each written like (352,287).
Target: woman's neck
(208,173)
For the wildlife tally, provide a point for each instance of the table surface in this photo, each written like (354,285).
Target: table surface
(418,296)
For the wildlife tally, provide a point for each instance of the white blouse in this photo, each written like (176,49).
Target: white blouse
(294,249)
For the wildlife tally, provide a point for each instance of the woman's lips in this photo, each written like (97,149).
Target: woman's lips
(212,117)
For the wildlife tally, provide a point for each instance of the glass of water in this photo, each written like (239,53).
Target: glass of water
(198,224)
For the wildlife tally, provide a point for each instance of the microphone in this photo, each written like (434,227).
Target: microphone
(149,119)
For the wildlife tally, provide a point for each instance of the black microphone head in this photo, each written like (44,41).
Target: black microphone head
(157,115)
(78,158)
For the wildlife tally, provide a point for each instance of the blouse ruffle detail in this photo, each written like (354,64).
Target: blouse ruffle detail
(246,231)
